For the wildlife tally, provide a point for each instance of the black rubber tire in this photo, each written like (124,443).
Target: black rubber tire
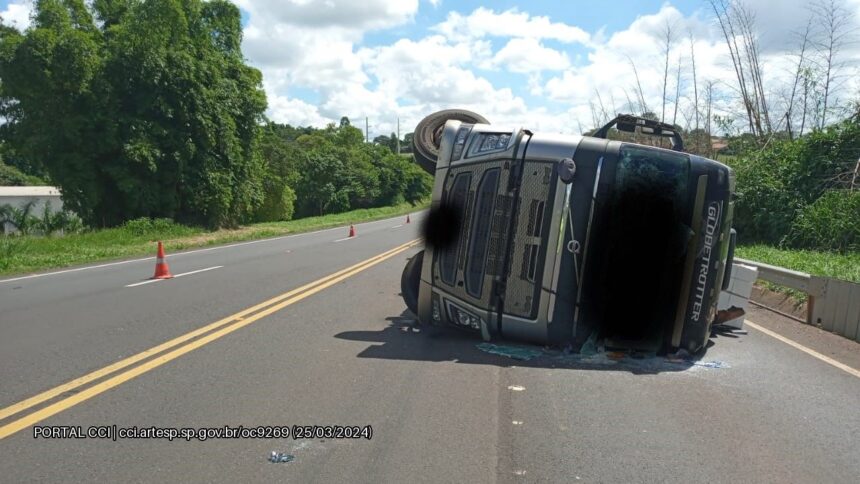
(410,281)
(428,133)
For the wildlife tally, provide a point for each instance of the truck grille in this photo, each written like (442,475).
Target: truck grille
(479,235)
(456,198)
(528,249)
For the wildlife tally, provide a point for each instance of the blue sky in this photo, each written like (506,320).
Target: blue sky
(550,65)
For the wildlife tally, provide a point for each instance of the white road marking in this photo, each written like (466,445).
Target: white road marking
(808,351)
(516,388)
(31,276)
(109,264)
(149,281)
(397,226)
(345,238)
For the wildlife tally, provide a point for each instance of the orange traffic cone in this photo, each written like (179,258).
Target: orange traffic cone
(407,218)
(352,230)
(161,269)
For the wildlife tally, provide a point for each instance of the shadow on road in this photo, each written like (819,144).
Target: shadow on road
(402,340)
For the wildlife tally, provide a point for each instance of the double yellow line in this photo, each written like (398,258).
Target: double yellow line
(178,346)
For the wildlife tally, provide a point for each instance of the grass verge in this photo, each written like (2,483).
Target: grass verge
(23,254)
(845,266)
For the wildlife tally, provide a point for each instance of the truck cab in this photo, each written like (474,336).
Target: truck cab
(557,239)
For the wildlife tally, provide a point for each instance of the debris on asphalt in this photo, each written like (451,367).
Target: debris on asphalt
(711,364)
(281,457)
(515,352)
(589,348)
(593,353)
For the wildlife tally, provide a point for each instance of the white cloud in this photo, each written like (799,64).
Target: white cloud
(295,112)
(17,14)
(312,45)
(525,55)
(510,23)
(347,14)
(433,74)
(319,47)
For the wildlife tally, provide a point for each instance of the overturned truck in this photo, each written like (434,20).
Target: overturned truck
(560,239)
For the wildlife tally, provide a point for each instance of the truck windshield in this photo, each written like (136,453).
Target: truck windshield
(644,170)
(642,246)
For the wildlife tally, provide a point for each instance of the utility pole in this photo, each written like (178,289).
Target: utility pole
(398,135)
(366,131)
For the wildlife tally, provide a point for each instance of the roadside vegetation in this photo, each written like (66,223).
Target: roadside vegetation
(20,254)
(148,109)
(844,266)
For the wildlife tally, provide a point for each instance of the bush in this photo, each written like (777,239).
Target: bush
(21,218)
(155,228)
(26,223)
(830,223)
(12,177)
(279,204)
(52,222)
(777,184)
(765,206)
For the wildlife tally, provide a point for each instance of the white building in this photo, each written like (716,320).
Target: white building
(19,196)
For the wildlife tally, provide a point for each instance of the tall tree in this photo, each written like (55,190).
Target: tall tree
(667,36)
(798,75)
(138,108)
(695,87)
(834,20)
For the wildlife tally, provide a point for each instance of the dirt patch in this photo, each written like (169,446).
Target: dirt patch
(217,236)
(781,302)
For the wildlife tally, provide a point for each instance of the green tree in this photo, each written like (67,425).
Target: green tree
(138,108)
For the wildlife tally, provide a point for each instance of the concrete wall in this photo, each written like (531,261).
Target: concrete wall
(19,196)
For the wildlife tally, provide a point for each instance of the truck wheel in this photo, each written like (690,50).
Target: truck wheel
(428,135)
(410,280)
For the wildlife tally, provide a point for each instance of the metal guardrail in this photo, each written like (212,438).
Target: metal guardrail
(833,304)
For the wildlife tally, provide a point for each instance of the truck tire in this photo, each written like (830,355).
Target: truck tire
(428,135)
(410,281)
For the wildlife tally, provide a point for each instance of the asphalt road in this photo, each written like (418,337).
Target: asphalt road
(341,352)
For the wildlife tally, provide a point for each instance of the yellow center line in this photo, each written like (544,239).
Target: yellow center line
(241,319)
(808,351)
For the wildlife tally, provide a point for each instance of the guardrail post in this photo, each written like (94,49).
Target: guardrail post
(817,291)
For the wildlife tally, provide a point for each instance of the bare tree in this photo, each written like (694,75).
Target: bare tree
(808,85)
(746,21)
(738,22)
(677,89)
(798,74)
(666,36)
(721,10)
(855,174)
(643,107)
(695,87)
(594,122)
(630,105)
(603,116)
(835,20)
(709,102)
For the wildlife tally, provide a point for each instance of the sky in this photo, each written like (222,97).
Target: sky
(538,64)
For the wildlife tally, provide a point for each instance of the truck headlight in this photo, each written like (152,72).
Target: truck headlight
(465,319)
(492,142)
(460,142)
(437,313)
